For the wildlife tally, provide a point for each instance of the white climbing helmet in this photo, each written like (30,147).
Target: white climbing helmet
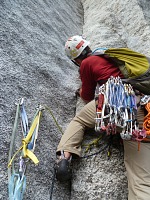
(75,45)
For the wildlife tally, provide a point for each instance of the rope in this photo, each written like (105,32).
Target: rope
(17,179)
(17,187)
(52,185)
(96,153)
(24,120)
(146,123)
(51,113)
(11,149)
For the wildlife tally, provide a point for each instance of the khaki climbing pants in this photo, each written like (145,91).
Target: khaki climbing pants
(137,162)
(73,136)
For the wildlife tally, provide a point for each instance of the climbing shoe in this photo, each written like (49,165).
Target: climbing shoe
(63,169)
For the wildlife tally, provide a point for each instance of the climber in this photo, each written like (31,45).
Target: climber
(96,69)
(90,70)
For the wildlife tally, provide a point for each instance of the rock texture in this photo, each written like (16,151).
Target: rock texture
(33,65)
(119,23)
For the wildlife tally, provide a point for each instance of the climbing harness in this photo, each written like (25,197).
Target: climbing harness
(18,162)
(116,110)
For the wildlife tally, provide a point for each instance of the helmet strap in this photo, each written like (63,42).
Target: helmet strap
(75,63)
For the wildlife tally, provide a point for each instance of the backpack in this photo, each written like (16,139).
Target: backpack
(134,66)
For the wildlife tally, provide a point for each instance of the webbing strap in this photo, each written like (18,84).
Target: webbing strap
(26,140)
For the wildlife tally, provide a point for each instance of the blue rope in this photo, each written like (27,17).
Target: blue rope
(16,186)
(99,49)
(24,119)
(31,143)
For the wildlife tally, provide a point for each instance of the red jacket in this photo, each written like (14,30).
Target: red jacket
(92,70)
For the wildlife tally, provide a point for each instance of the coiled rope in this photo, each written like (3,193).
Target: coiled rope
(146,123)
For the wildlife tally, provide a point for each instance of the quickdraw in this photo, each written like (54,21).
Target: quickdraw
(116,110)
(16,175)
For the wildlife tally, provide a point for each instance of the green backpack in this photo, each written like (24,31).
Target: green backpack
(134,66)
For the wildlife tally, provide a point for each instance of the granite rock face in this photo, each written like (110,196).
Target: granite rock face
(118,24)
(33,65)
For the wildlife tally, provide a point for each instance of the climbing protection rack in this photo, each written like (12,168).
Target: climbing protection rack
(18,161)
(116,110)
